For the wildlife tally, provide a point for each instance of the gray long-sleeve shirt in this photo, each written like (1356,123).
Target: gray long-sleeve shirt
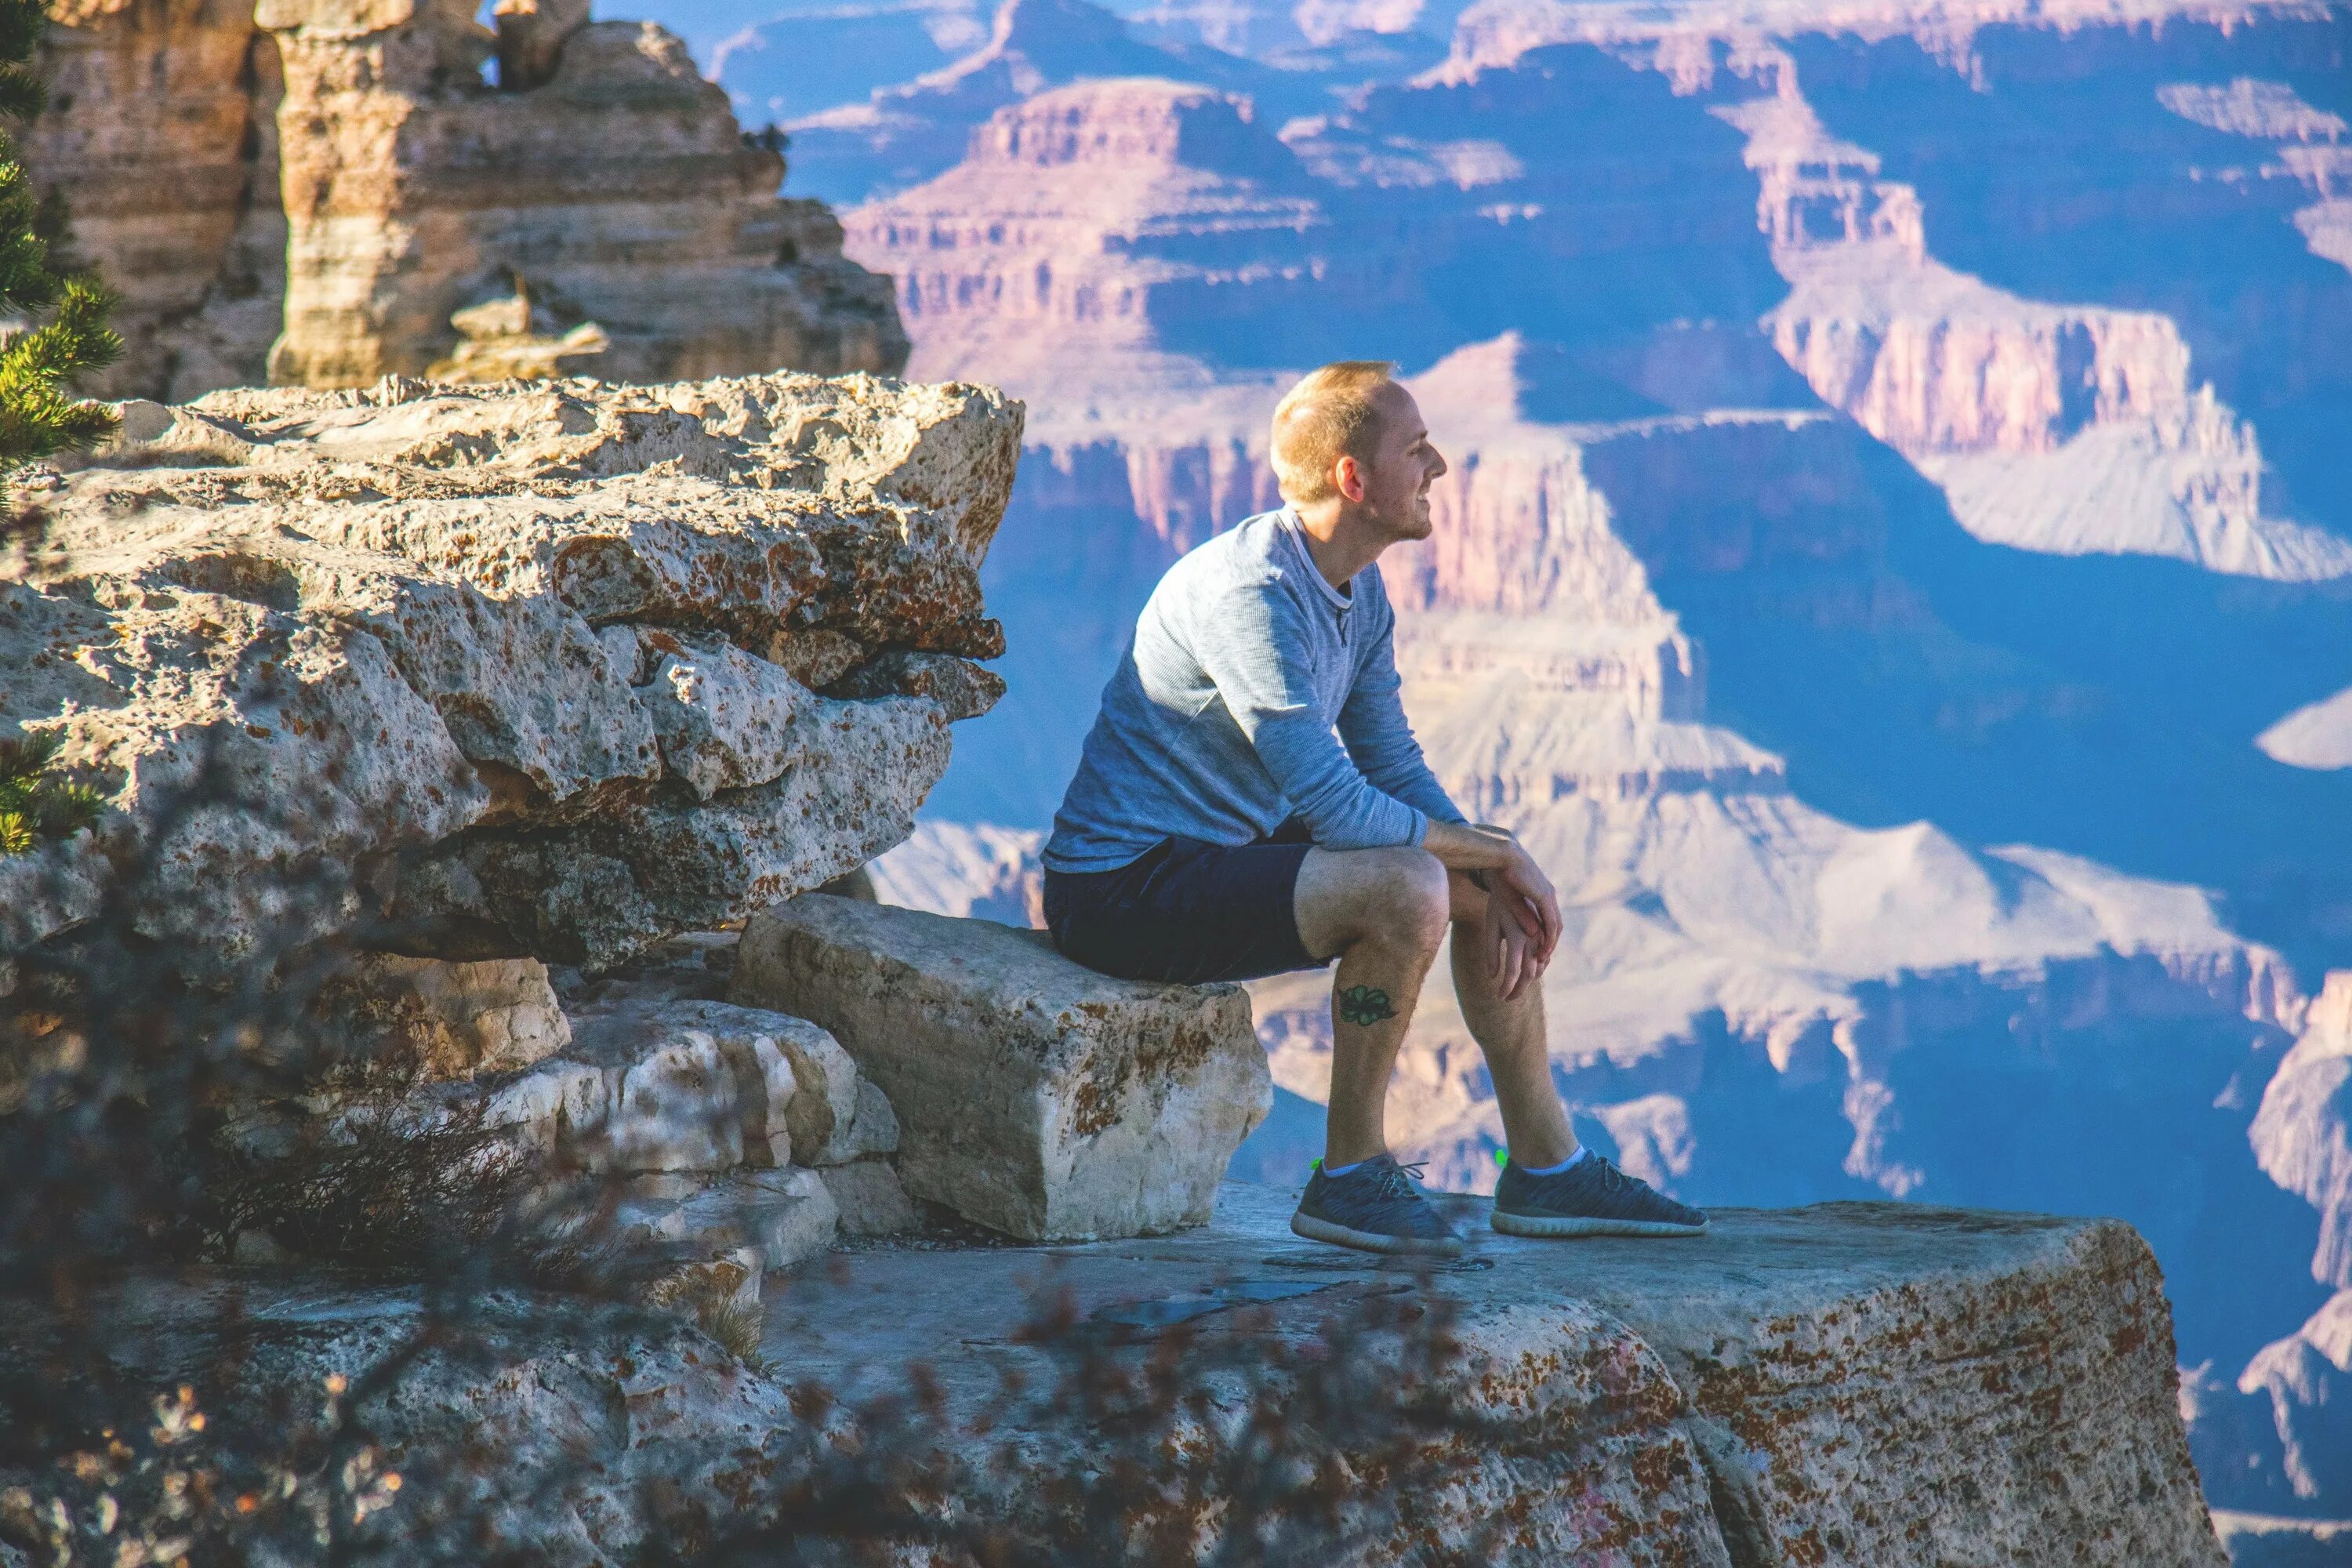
(1229,712)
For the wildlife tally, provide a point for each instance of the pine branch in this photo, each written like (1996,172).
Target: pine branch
(36,804)
(39,417)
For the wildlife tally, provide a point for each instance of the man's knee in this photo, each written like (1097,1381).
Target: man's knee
(1410,903)
(1398,897)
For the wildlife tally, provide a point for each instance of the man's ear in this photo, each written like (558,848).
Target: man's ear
(1348,475)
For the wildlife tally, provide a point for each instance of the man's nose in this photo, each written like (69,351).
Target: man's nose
(1437,463)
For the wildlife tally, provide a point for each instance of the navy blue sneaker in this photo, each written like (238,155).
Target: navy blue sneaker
(1377,1207)
(1592,1197)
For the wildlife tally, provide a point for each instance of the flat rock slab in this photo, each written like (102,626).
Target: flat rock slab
(1033,1096)
(1865,1383)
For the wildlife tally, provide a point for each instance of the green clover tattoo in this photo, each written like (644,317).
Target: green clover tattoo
(1364,1005)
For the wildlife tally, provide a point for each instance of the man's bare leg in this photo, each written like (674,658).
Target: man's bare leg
(1383,912)
(1510,1034)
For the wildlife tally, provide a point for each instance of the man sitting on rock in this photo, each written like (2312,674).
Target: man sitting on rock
(1250,800)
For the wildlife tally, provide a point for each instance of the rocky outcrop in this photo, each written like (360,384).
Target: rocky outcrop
(1033,1096)
(601,183)
(1852,1384)
(449,1020)
(533,666)
(1855,1383)
(2304,1385)
(612,180)
(161,136)
(728,1142)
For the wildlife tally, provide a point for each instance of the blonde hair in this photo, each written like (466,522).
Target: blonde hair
(1332,413)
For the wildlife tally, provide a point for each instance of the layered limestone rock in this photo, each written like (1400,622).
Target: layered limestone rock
(543,670)
(161,136)
(611,178)
(1033,1096)
(727,1142)
(1030,247)
(956,869)
(601,182)
(449,1020)
(2302,1383)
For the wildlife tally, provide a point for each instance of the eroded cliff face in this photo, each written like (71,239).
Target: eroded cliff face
(553,673)
(2054,427)
(160,135)
(329,192)
(617,184)
(1037,253)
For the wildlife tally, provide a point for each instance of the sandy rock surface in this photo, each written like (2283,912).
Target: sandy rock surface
(1030,1095)
(506,654)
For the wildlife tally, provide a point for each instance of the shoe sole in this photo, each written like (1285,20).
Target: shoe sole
(1315,1229)
(1557,1226)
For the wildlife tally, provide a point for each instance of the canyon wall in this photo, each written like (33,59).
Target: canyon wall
(161,133)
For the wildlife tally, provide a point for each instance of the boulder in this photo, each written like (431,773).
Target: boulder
(870,1198)
(161,133)
(453,1020)
(1032,1095)
(491,664)
(654,1084)
(758,1221)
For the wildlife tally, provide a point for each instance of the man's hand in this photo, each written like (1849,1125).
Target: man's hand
(1518,895)
(1512,957)
(1522,889)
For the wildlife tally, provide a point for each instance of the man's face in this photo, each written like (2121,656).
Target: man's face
(1396,475)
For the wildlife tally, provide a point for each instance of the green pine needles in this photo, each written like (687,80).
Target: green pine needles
(34,805)
(39,417)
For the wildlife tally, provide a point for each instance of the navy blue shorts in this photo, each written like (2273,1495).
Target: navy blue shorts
(1187,912)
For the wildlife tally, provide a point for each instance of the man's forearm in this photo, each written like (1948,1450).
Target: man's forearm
(1459,847)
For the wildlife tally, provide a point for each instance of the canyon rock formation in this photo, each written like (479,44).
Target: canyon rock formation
(161,134)
(323,194)
(616,183)
(1894,565)
(546,669)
